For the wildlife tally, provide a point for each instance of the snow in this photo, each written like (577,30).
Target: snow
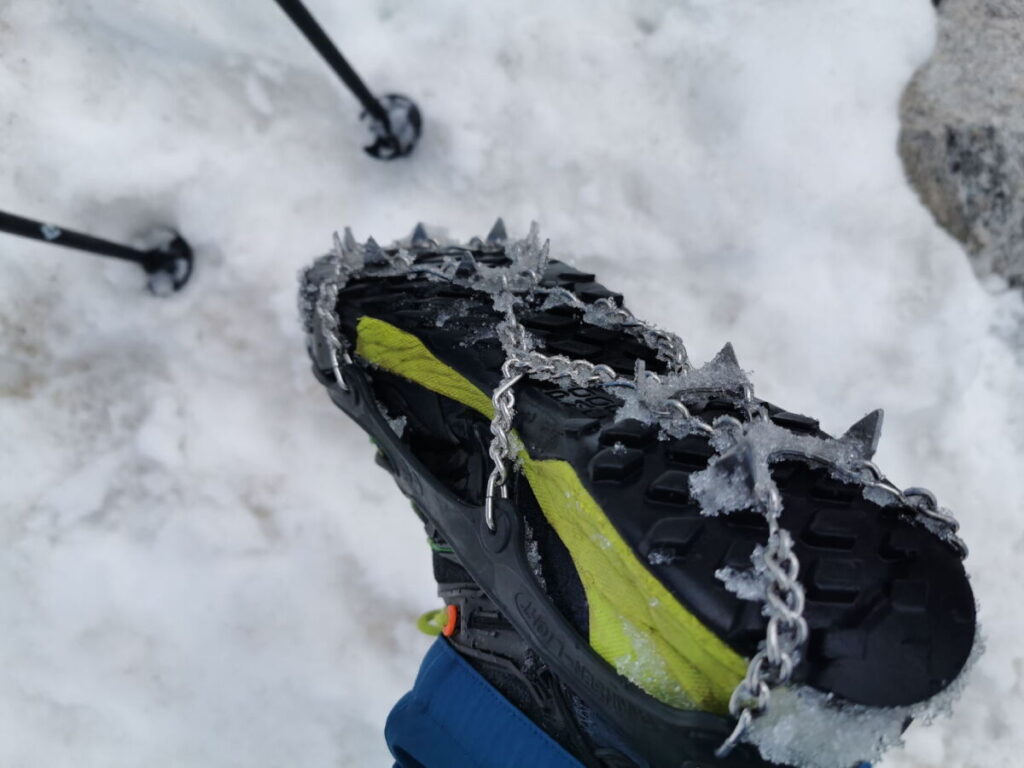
(785,734)
(199,563)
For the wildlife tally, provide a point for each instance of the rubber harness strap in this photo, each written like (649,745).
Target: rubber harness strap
(636,624)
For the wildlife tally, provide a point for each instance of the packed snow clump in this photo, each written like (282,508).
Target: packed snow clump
(790,730)
(740,475)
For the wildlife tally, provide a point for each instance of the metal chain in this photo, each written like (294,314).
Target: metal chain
(325,309)
(667,345)
(786,632)
(921,500)
(522,361)
(674,408)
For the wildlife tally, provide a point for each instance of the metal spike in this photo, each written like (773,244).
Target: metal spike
(866,433)
(497,233)
(419,235)
(374,254)
(727,355)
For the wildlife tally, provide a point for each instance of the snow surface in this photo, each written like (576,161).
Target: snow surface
(199,563)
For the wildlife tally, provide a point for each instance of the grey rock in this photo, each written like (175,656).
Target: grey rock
(962,134)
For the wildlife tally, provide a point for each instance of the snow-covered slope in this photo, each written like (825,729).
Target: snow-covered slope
(199,563)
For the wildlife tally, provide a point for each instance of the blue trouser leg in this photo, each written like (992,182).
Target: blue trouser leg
(454,718)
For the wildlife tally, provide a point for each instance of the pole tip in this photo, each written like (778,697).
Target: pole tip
(169,266)
(399,137)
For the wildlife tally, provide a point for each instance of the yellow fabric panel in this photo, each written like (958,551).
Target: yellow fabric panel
(402,353)
(627,599)
(635,623)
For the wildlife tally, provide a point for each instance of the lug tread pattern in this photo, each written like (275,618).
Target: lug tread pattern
(890,611)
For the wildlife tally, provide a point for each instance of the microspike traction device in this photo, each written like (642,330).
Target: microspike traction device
(650,561)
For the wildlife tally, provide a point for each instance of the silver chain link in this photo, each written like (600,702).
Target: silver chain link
(325,309)
(522,361)
(921,500)
(504,402)
(786,633)
(666,345)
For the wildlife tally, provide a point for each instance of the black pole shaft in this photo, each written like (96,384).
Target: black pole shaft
(316,36)
(48,233)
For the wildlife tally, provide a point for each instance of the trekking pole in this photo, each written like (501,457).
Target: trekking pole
(394,120)
(168,263)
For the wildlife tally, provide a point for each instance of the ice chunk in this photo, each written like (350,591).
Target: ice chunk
(660,557)
(528,255)
(632,407)
(749,583)
(533,555)
(603,315)
(397,424)
(440,271)
(721,375)
(559,297)
(805,727)
(505,301)
(879,497)
(727,485)
(529,261)
(741,475)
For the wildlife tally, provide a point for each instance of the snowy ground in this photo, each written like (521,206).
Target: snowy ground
(199,563)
